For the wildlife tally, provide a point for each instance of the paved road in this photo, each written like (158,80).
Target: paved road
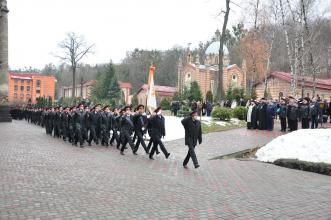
(45,178)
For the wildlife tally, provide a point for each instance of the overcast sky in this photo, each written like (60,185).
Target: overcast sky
(115,27)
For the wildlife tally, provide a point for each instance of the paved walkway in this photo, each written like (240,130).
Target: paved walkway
(45,178)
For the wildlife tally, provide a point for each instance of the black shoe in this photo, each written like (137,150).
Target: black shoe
(81,145)
(122,153)
(157,152)
(89,144)
(167,155)
(197,166)
(97,142)
(151,158)
(106,145)
(185,166)
(102,144)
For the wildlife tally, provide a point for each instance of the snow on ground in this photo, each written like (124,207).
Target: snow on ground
(313,145)
(174,128)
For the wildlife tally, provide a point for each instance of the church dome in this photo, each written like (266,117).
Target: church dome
(214,48)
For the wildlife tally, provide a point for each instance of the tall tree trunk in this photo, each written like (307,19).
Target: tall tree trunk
(310,54)
(268,64)
(289,54)
(221,54)
(73,81)
(254,72)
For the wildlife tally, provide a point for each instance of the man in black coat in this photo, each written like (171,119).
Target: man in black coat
(193,135)
(262,114)
(65,123)
(156,125)
(140,124)
(115,127)
(79,119)
(95,123)
(127,128)
(106,125)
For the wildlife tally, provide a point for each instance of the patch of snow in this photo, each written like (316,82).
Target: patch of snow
(313,145)
(174,128)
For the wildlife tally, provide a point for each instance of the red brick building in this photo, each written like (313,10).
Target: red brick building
(279,83)
(25,87)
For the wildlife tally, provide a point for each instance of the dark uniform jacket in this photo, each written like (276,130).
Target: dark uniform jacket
(156,126)
(79,118)
(140,121)
(95,119)
(193,132)
(106,120)
(304,111)
(126,124)
(65,119)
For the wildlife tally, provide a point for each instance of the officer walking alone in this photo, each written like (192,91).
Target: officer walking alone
(193,134)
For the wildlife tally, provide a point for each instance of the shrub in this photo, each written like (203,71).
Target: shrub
(165,104)
(221,113)
(240,112)
(321,168)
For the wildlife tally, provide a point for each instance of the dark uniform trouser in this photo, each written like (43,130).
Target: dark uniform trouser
(72,133)
(57,130)
(93,135)
(126,137)
(157,141)
(65,132)
(140,140)
(114,137)
(314,122)
(105,135)
(305,123)
(79,136)
(283,124)
(293,125)
(191,154)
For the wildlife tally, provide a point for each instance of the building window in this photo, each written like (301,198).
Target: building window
(21,95)
(15,95)
(38,91)
(234,82)
(22,80)
(28,95)
(15,80)
(22,88)
(28,81)
(15,87)
(38,83)
(28,88)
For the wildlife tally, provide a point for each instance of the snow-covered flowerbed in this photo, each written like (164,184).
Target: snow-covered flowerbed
(313,145)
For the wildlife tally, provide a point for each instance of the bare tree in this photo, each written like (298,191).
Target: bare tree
(289,53)
(221,53)
(310,53)
(74,49)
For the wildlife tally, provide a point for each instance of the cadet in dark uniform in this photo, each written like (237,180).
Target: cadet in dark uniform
(157,131)
(72,126)
(57,122)
(127,129)
(106,125)
(95,122)
(304,113)
(193,135)
(65,124)
(140,125)
(115,127)
(79,118)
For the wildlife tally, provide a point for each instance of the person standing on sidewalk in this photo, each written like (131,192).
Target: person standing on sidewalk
(193,135)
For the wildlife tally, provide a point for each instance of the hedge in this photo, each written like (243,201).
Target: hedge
(221,113)
(321,168)
(240,112)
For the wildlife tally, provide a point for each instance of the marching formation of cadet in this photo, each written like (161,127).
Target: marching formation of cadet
(80,125)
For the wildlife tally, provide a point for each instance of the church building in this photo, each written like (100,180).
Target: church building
(206,75)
